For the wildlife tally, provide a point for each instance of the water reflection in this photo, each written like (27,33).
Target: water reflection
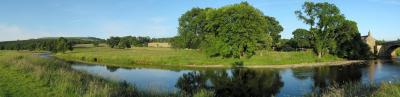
(244,82)
(112,68)
(238,82)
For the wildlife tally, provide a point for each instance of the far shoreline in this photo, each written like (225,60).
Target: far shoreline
(316,64)
(277,66)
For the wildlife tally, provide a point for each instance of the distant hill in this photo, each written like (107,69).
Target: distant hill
(46,43)
(77,38)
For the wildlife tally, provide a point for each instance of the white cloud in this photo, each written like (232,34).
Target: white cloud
(14,32)
(153,27)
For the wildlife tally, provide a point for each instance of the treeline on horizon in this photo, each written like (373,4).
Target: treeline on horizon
(56,44)
(129,41)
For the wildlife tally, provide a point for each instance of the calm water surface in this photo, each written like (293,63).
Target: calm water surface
(250,82)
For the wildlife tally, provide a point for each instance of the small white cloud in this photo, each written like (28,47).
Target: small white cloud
(13,32)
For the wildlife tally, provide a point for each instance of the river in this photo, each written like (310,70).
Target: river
(250,82)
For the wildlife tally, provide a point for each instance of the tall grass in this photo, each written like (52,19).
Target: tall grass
(25,75)
(168,56)
(360,90)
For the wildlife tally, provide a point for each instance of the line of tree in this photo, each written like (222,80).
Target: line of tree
(129,41)
(49,44)
(238,30)
(232,31)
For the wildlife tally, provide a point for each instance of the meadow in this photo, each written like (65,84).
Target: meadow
(177,57)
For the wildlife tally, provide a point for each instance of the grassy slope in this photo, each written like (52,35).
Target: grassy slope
(25,75)
(168,56)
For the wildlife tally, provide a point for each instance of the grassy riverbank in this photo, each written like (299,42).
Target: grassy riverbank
(24,75)
(360,90)
(168,56)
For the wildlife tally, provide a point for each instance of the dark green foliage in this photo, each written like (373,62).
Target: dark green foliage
(238,82)
(63,45)
(231,31)
(45,44)
(129,41)
(329,32)
(113,41)
(349,43)
(274,28)
(323,19)
(95,44)
(124,43)
(235,33)
(191,30)
(301,38)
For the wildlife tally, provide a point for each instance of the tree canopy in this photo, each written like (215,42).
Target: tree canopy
(236,30)
(330,31)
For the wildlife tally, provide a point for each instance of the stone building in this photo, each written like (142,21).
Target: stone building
(368,39)
(159,44)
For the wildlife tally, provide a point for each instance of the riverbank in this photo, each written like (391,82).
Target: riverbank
(23,74)
(335,63)
(189,58)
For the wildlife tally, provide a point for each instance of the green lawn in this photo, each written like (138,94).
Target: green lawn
(169,56)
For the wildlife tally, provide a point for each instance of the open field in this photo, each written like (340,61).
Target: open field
(169,56)
(24,75)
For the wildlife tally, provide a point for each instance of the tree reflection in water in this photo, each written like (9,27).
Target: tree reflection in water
(238,82)
(328,76)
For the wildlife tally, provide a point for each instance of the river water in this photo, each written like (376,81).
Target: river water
(250,82)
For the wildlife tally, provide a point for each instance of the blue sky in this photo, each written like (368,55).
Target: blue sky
(25,19)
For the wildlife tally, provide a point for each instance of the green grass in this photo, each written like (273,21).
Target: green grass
(360,90)
(398,52)
(176,57)
(388,90)
(22,74)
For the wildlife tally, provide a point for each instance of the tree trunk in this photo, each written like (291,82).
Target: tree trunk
(319,55)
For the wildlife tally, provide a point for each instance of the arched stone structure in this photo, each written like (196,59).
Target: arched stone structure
(388,49)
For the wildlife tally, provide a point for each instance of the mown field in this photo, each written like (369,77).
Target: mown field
(23,74)
(169,56)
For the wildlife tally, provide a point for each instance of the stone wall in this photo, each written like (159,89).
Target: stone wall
(158,44)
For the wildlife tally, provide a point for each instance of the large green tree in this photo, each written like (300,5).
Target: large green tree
(349,42)
(323,19)
(330,32)
(274,29)
(301,38)
(113,41)
(191,29)
(235,30)
(63,45)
